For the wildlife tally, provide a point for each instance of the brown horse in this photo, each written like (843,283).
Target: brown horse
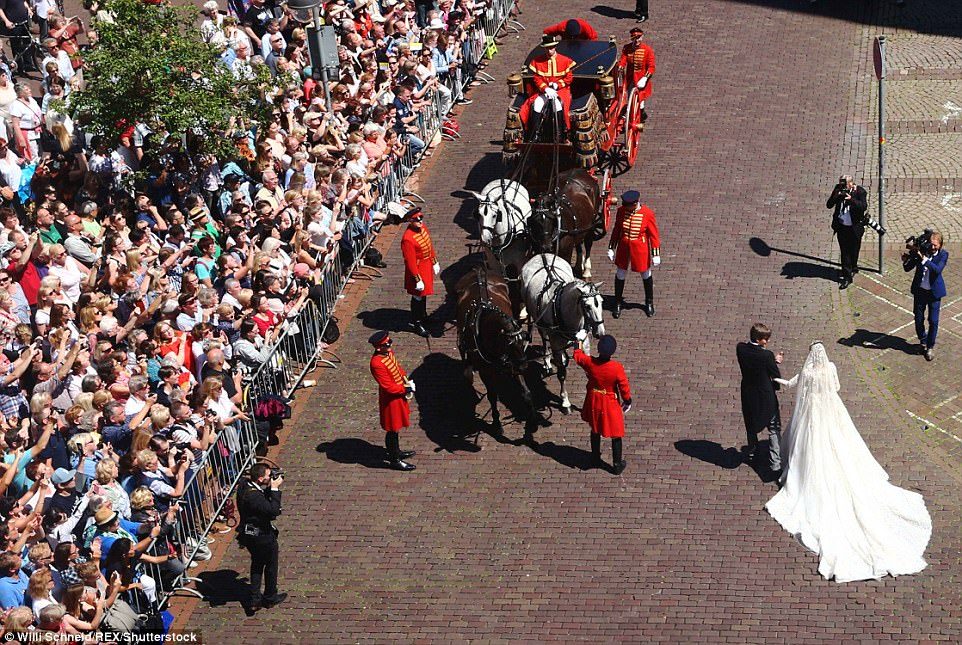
(492,343)
(565,220)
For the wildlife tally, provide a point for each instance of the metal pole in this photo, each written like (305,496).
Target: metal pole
(881,154)
(316,12)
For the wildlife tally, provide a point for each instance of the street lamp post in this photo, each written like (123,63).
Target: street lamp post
(321,41)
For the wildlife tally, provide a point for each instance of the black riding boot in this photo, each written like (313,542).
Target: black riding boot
(418,307)
(394,455)
(534,131)
(649,297)
(619,293)
(596,448)
(617,463)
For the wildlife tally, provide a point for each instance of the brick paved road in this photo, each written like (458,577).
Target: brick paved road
(511,543)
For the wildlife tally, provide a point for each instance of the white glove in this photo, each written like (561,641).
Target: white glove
(419,286)
(625,407)
(581,335)
(553,86)
(642,82)
(550,93)
(611,255)
(656,260)
(412,386)
(437,269)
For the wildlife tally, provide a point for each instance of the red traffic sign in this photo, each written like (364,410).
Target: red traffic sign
(878,57)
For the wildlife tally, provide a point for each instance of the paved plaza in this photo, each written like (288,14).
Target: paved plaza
(758,106)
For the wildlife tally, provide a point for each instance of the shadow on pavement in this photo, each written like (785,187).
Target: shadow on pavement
(710,452)
(875,340)
(762,248)
(351,450)
(222,587)
(386,318)
(611,12)
(793,270)
(446,404)
(567,456)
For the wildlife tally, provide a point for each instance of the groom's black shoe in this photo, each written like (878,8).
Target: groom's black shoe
(772,476)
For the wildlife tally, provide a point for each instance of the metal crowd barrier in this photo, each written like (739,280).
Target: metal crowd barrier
(299,348)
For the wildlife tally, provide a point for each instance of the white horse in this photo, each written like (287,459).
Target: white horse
(503,211)
(561,306)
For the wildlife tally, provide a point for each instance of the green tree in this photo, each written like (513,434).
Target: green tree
(150,66)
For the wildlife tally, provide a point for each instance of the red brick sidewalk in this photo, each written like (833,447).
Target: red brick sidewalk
(511,543)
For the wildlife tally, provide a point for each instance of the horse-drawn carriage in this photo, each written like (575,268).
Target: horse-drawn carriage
(605,116)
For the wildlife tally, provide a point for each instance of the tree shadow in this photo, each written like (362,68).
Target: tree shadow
(710,452)
(611,12)
(875,340)
(352,450)
(792,270)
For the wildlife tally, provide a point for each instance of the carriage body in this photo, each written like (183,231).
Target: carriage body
(597,98)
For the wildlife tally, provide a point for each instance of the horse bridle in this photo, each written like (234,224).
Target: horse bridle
(480,306)
(586,310)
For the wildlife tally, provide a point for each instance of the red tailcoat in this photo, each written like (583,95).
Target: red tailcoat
(606,382)
(587,31)
(391,380)
(557,70)
(419,259)
(638,61)
(636,238)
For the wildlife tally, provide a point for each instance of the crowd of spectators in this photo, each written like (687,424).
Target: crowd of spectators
(142,282)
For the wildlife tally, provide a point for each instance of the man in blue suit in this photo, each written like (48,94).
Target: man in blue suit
(928,287)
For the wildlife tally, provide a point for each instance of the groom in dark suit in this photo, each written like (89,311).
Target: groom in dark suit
(759,367)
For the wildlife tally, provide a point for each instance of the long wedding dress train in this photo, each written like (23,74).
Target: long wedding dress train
(835,498)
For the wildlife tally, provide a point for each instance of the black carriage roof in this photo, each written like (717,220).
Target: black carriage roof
(593,58)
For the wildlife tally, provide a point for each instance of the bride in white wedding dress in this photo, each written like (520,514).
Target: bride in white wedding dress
(835,498)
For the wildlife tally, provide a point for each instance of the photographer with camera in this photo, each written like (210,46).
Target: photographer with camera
(925,254)
(259,504)
(850,202)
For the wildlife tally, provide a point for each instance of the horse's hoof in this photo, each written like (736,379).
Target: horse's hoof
(566,409)
(497,428)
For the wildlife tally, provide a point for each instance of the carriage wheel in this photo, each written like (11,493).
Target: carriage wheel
(632,130)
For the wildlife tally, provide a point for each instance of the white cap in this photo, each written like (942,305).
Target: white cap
(437,23)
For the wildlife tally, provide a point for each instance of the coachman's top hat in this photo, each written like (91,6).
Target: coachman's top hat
(549,42)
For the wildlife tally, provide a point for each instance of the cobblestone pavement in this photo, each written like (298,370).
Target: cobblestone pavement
(507,542)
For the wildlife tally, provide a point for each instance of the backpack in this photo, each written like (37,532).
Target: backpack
(374,258)
(331,332)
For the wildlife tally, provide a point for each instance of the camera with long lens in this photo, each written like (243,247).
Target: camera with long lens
(277,473)
(921,243)
(875,226)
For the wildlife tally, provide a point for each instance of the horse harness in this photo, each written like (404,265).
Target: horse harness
(473,322)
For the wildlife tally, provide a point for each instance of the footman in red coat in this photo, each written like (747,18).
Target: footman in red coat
(635,245)
(393,392)
(606,401)
(420,267)
(572,29)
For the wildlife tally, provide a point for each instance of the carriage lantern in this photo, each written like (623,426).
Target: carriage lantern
(607,87)
(514,84)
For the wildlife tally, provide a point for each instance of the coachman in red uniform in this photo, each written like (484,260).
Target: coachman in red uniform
(638,61)
(606,401)
(393,392)
(573,29)
(635,244)
(552,76)
(420,267)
